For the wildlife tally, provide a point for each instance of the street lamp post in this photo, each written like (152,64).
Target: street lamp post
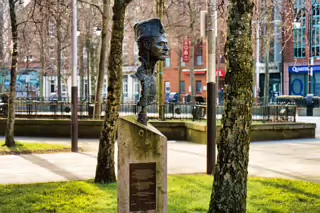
(211,87)
(310,60)
(74,89)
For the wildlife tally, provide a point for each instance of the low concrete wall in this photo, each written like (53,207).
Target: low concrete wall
(53,128)
(196,132)
(173,130)
(303,111)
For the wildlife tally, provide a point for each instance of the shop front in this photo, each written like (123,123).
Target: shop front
(274,80)
(298,77)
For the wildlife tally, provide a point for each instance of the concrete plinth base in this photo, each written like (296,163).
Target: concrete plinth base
(142,168)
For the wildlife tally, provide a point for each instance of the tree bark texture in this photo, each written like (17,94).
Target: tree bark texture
(13,74)
(103,53)
(1,32)
(230,177)
(105,172)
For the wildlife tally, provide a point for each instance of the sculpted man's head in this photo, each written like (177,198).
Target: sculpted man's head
(152,40)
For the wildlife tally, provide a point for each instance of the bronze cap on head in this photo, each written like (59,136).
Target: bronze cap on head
(152,27)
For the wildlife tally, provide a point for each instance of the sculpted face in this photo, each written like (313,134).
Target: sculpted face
(159,47)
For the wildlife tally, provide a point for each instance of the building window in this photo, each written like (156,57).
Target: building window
(183,64)
(136,88)
(167,89)
(182,87)
(125,59)
(315,30)
(51,86)
(125,86)
(299,32)
(136,85)
(125,55)
(198,87)
(198,53)
(167,62)
(136,54)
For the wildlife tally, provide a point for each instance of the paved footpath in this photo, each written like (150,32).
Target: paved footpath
(292,159)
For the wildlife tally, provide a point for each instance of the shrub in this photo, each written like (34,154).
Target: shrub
(291,99)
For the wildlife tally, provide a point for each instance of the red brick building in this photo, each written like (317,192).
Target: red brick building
(172,71)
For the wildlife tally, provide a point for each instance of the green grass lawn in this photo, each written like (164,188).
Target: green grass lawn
(187,193)
(27,148)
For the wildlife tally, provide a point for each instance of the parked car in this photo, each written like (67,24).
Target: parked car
(53,97)
(173,97)
(4,104)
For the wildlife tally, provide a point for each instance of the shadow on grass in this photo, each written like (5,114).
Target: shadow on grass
(289,186)
(280,195)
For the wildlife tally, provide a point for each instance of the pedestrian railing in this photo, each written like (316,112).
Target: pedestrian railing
(60,110)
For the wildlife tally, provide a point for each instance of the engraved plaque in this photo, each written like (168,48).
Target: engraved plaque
(142,186)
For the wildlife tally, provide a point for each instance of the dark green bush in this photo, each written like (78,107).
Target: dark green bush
(291,99)
(297,100)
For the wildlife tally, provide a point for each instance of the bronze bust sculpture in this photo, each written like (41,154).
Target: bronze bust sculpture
(153,47)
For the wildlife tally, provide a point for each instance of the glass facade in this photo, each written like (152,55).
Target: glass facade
(198,87)
(299,32)
(315,31)
(182,87)
(299,81)
(125,86)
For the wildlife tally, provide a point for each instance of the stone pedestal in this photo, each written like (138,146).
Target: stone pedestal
(142,168)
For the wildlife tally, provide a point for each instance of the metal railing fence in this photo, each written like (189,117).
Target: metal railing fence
(181,111)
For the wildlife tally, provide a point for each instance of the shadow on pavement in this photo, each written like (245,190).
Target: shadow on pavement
(186,152)
(297,177)
(50,166)
(88,154)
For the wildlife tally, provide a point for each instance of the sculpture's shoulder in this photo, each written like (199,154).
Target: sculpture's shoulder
(141,72)
(141,68)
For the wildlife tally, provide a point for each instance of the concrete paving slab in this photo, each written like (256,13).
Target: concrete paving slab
(291,159)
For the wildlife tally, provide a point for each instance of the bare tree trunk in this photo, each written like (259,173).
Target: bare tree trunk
(81,67)
(88,48)
(43,61)
(229,192)
(13,74)
(103,53)
(180,71)
(191,63)
(192,76)
(93,70)
(105,172)
(59,49)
